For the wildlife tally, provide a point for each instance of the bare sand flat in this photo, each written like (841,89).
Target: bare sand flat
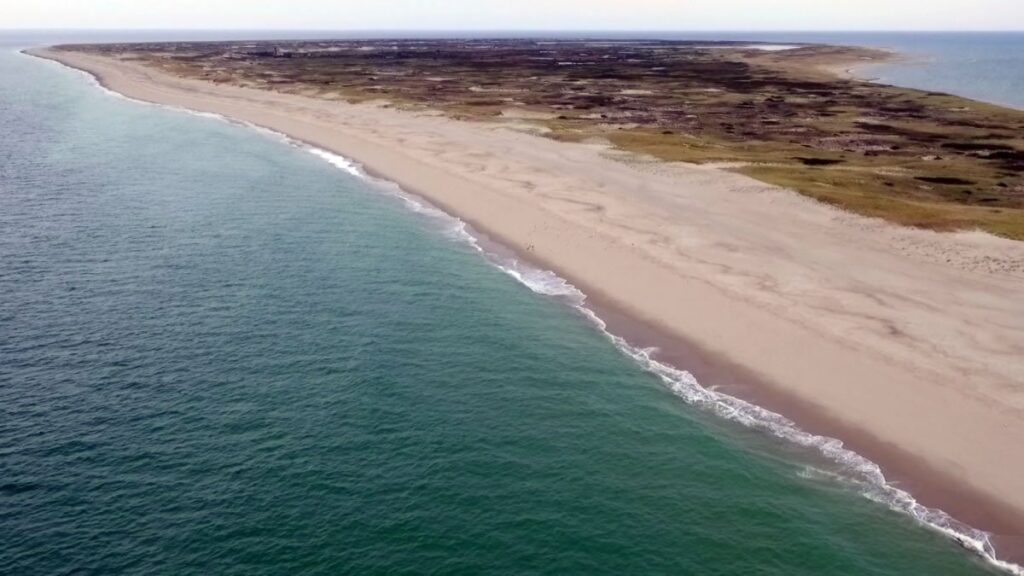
(906,344)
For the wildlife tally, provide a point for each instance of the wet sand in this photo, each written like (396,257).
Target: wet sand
(908,345)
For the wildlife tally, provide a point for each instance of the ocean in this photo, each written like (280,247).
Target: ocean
(222,352)
(986,66)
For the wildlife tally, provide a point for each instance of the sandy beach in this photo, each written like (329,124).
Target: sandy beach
(906,344)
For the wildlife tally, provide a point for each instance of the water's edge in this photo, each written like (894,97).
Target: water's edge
(853,469)
(869,72)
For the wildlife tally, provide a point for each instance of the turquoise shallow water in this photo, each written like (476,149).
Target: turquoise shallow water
(220,354)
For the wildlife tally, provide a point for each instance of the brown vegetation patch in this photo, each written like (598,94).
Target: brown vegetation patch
(944,180)
(817,161)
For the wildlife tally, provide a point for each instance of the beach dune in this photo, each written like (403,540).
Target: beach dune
(906,344)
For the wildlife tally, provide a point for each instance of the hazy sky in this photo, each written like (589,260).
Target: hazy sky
(518,14)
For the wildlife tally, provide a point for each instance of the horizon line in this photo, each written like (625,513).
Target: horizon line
(519,30)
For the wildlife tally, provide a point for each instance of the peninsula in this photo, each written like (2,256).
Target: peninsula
(844,253)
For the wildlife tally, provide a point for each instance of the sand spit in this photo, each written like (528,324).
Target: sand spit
(906,344)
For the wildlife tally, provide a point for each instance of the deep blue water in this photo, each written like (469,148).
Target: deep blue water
(220,354)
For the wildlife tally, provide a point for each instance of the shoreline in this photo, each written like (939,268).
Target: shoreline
(857,72)
(933,486)
(850,70)
(939,493)
(948,506)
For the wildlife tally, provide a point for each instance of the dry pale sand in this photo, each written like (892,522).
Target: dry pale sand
(907,343)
